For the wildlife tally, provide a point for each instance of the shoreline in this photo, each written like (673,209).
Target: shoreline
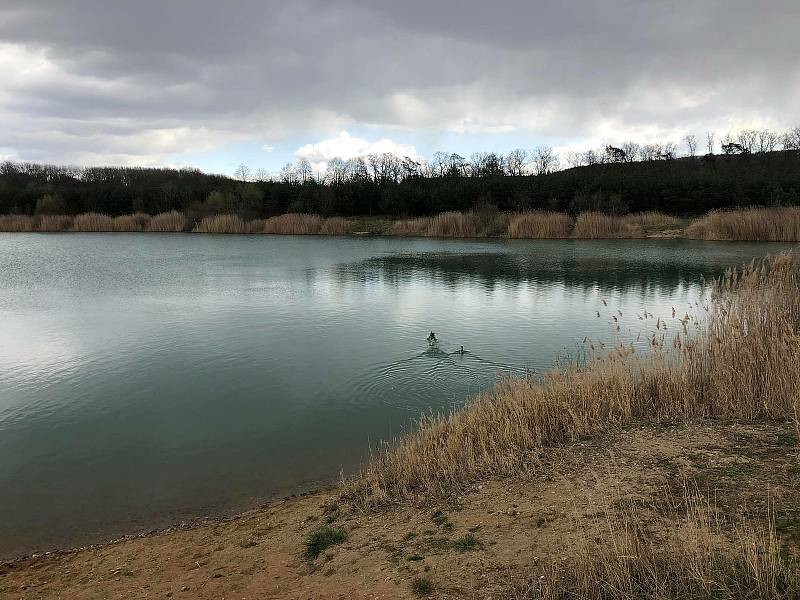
(519,525)
(780,224)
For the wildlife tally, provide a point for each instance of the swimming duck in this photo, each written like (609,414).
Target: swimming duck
(431,339)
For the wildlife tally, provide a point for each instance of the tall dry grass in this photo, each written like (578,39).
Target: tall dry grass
(50,223)
(93,222)
(16,223)
(164,222)
(744,367)
(596,225)
(307,224)
(222,224)
(134,222)
(453,224)
(540,224)
(753,224)
(702,555)
(336,226)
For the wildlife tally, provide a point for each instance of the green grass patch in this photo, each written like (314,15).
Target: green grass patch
(321,539)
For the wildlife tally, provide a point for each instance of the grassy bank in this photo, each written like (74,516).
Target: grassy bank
(743,368)
(758,224)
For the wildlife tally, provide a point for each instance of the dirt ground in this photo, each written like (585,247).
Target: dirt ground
(519,525)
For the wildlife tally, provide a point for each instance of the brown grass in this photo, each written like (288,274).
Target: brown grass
(294,224)
(172,221)
(652,218)
(336,226)
(222,224)
(16,223)
(743,367)
(453,224)
(93,222)
(597,225)
(54,223)
(134,222)
(699,556)
(754,224)
(540,224)
(410,227)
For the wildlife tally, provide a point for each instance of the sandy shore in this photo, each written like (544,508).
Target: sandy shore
(519,525)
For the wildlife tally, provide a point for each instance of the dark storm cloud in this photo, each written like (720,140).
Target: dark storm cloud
(134,81)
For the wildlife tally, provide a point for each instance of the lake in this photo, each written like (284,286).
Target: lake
(149,378)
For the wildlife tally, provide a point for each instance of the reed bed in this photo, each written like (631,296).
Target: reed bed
(596,225)
(336,226)
(743,367)
(540,224)
(306,224)
(453,224)
(410,227)
(222,224)
(16,223)
(165,222)
(134,222)
(49,223)
(89,222)
(752,224)
(702,555)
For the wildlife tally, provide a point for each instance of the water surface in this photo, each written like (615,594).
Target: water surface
(147,378)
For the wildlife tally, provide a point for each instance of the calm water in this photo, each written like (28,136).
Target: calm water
(150,378)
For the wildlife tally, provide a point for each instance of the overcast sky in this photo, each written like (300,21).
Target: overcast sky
(212,83)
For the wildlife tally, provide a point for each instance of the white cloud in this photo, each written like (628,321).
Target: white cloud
(267,148)
(346,146)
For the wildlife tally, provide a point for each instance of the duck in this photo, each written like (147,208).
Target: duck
(431,339)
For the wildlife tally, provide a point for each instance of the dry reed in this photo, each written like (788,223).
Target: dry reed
(54,223)
(751,224)
(540,224)
(410,227)
(16,223)
(293,224)
(702,555)
(172,221)
(222,224)
(743,366)
(93,222)
(134,222)
(597,225)
(336,226)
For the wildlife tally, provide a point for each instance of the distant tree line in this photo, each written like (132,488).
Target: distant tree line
(751,167)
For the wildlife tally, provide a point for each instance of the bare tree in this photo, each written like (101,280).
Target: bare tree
(746,138)
(632,151)
(336,171)
(691,144)
(304,170)
(591,157)
(438,163)
(516,161)
(242,172)
(544,160)
(710,142)
(766,140)
(288,173)
(262,174)
(573,159)
(357,169)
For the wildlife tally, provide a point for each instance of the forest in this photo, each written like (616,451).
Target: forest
(750,169)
